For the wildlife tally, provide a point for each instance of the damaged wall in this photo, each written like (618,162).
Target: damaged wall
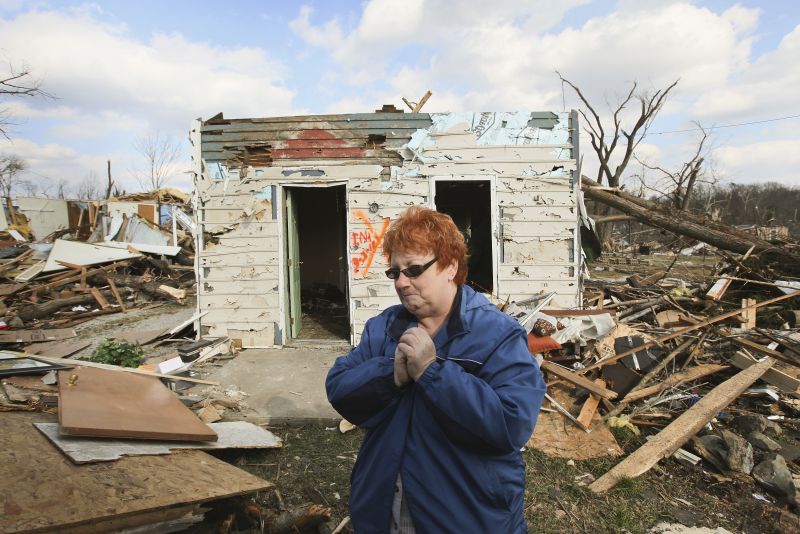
(45,215)
(387,162)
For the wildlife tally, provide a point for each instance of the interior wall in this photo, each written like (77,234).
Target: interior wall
(321,228)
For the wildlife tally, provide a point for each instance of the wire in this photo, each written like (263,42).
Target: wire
(727,125)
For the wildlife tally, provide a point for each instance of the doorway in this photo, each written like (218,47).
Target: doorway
(316,263)
(469,203)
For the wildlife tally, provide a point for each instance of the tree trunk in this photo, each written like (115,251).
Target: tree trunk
(684,223)
(46,309)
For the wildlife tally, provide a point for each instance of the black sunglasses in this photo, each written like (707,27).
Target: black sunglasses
(412,271)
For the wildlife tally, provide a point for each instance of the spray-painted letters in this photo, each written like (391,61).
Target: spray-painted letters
(364,244)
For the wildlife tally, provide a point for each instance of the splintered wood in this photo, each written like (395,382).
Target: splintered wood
(681,429)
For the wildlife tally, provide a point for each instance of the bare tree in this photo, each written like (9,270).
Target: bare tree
(605,143)
(17,83)
(10,166)
(61,188)
(160,153)
(677,186)
(89,187)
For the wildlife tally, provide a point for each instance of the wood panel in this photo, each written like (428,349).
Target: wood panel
(48,493)
(117,404)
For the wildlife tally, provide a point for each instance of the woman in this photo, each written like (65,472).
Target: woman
(446,392)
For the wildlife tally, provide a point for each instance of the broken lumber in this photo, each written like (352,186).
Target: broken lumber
(682,331)
(785,382)
(675,380)
(589,408)
(84,363)
(578,380)
(669,440)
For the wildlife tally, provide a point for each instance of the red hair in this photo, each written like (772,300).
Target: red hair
(421,230)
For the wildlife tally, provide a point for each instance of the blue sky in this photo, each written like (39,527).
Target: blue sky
(123,69)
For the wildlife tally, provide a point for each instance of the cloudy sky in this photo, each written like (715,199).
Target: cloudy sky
(121,70)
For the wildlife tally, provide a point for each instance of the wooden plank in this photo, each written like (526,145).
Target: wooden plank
(102,403)
(53,495)
(57,349)
(115,292)
(675,380)
(686,330)
(775,377)
(107,367)
(101,300)
(578,380)
(681,429)
(35,336)
(589,408)
(748,314)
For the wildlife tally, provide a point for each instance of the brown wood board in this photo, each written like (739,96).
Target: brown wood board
(45,492)
(111,404)
(57,349)
(35,336)
(681,429)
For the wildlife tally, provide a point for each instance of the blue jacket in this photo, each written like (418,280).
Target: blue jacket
(454,435)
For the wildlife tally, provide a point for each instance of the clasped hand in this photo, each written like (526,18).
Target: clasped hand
(415,352)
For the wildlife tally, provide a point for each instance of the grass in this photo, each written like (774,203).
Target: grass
(314,467)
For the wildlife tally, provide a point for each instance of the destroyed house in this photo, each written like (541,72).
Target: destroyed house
(291,213)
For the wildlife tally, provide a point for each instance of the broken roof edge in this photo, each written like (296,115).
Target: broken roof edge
(219,120)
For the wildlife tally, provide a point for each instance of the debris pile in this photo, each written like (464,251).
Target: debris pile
(59,284)
(707,369)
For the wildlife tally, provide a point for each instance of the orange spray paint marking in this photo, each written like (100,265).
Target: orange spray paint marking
(368,241)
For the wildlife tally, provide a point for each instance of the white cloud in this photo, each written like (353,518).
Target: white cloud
(91,65)
(504,57)
(768,161)
(764,88)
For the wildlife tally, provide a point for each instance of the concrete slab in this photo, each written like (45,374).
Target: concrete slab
(285,386)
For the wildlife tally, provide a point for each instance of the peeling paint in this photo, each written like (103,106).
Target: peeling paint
(265,193)
(303,172)
(387,163)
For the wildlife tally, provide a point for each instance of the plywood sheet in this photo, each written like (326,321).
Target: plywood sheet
(232,435)
(44,491)
(98,402)
(555,436)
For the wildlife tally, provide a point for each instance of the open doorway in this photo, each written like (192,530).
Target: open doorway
(316,229)
(469,203)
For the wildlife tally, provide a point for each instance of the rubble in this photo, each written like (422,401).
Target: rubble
(707,361)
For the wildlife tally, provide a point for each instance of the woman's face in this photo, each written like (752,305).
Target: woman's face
(429,294)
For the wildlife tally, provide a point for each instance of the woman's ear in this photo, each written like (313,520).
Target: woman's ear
(451,270)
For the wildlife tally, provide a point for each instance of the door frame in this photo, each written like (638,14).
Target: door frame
(493,210)
(283,273)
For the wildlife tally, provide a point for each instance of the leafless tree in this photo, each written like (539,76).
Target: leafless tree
(160,153)
(605,142)
(677,186)
(17,82)
(89,187)
(61,188)
(10,167)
